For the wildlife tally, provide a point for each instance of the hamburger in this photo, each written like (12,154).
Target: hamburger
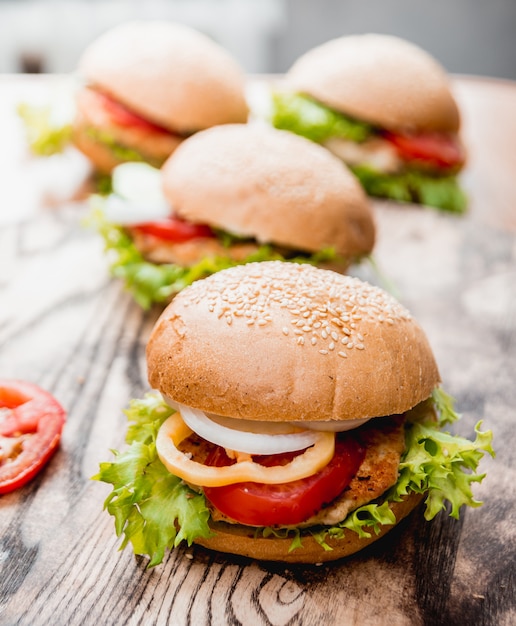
(385,107)
(296,417)
(229,195)
(147,86)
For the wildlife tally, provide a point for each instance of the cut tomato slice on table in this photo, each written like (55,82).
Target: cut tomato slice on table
(287,503)
(437,149)
(31,422)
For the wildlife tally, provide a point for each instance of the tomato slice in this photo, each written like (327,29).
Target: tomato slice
(31,421)
(291,503)
(120,115)
(435,149)
(174,229)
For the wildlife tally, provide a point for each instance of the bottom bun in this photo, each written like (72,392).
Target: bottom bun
(240,540)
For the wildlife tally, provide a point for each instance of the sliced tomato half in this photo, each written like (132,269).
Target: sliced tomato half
(31,422)
(174,229)
(120,115)
(287,503)
(436,149)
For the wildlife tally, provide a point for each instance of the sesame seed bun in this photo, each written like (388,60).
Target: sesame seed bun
(168,73)
(272,185)
(380,79)
(282,341)
(242,540)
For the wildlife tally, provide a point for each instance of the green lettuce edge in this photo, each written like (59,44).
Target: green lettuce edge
(156,511)
(440,192)
(151,283)
(304,116)
(44,137)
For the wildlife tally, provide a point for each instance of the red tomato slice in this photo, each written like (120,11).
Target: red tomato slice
(122,116)
(174,229)
(439,150)
(287,503)
(31,421)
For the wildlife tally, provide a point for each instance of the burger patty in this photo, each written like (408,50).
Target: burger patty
(190,252)
(384,443)
(384,440)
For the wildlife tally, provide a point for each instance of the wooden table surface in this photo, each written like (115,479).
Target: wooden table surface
(65,326)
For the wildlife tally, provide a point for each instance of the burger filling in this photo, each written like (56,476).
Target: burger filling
(410,167)
(157,253)
(128,135)
(172,481)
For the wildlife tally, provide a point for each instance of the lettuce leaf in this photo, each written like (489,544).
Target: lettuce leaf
(311,119)
(155,511)
(153,283)
(44,135)
(441,192)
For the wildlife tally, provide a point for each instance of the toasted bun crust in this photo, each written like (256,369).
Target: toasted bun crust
(169,73)
(282,341)
(380,79)
(237,539)
(272,185)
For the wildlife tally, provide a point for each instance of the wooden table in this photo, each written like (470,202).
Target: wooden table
(67,327)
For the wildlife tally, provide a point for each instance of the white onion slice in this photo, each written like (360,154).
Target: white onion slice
(137,195)
(244,441)
(124,212)
(335,426)
(138,182)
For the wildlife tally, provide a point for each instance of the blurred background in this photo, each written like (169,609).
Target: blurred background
(266,36)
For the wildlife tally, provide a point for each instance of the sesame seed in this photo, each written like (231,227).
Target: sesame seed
(360,346)
(331,346)
(301,341)
(334,336)
(360,337)
(350,344)
(284,330)
(307,328)
(343,354)
(323,351)
(313,341)
(344,340)
(324,334)
(346,331)
(262,322)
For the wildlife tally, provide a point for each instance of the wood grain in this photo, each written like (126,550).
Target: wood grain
(65,326)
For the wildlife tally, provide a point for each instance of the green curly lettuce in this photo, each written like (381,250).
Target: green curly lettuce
(441,192)
(45,135)
(311,119)
(152,508)
(154,283)
(155,510)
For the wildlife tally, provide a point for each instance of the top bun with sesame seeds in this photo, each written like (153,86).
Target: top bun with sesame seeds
(271,185)
(280,341)
(175,79)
